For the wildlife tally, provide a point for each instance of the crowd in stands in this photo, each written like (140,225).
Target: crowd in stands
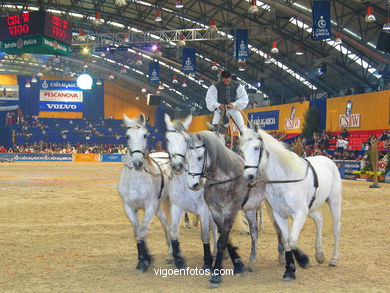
(106,136)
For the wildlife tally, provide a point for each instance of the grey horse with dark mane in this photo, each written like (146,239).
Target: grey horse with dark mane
(219,170)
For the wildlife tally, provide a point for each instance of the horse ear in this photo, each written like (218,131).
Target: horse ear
(187,122)
(142,119)
(126,120)
(167,120)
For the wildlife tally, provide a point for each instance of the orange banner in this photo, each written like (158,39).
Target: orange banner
(86,157)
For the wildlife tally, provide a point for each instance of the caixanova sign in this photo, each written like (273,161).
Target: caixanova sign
(352,120)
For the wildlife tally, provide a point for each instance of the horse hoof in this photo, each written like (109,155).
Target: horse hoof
(180,263)
(142,266)
(320,257)
(215,281)
(303,261)
(333,262)
(239,269)
(289,276)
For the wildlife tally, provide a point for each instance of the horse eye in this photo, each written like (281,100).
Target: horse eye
(257,148)
(127,136)
(145,136)
(199,158)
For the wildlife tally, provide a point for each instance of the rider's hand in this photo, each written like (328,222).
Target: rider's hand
(221,106)
(229,106)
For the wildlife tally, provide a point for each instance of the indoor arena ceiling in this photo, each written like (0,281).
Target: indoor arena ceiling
(282,77)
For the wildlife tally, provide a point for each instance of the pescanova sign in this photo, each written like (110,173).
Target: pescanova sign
(267,120)
(60,96)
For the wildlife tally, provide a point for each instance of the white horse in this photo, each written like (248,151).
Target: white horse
(182,198)
(143,184)
(295,187)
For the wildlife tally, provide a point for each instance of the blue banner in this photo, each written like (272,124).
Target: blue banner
(321,20)
(154,71)
(188,61)
(267,120)
(60,106)
(241,44)
(112,158)
(43,157)
(70,85)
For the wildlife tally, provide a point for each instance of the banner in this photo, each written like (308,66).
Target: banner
(267,120)
(240,50)
(43,157)
(321,20)
(60,96)
(112,158)
(188,61)
(154,71)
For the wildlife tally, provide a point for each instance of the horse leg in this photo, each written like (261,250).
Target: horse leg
(335,207)
(251,217)
(144,258)
(195,221)
(214,230)
(176,214)
(143,261)
(281,257)
(282,222)
(236,259)
(261,218)
(225,228)
(187,221)
(297,224)
(163,219)
(317,217)
(205,236)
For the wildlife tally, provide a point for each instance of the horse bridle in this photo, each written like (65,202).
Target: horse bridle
(204,167)
(175,154)
(258,161)
(143,152)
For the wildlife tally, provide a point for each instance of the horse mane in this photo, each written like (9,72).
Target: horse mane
(287,158)
(221,156)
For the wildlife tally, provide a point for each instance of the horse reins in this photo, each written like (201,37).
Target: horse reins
(309,166)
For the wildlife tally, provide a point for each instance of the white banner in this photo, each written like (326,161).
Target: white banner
(60,96)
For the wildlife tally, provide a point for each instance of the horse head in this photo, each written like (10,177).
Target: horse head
(137,135)
(197,163)
(252,148)
(177,142)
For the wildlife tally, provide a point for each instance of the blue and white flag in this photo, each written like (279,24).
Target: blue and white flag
(188,61)
(154,71)
(241,44)
(321,20)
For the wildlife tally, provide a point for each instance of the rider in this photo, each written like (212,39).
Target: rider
(229,94)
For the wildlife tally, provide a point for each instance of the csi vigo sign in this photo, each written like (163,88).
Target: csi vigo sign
(352,120)
(294,123)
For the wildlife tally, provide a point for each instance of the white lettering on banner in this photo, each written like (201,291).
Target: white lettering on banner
(61,96)
(61,107)
(264,121)
(292,123)
(352,121)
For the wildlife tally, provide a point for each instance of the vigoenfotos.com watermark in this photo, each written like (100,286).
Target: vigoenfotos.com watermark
(164,272)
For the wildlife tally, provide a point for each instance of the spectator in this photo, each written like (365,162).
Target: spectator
(3,149)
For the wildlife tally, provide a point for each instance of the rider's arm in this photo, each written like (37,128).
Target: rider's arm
(211,98)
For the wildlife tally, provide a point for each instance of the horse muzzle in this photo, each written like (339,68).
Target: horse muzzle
(178,168)
(138,165)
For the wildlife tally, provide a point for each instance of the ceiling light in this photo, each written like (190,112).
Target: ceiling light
(161,86)
(40,72)
(111,76)
(158,16)
(139,60)
(386,26)
(137,97)
(299,51)
(268,59)
(274,49)
(97,20)
(85,65)
(143,90)
(98,82)
(123,69)
(213,28)
(84,81)
(214,67)
(182,41)
(253,7)
(179,4)
(120,3)
(34,79)
(174,80)
(28,85)
(81,36)
(370,17)
(337,39)
(184,84)
(126,38)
